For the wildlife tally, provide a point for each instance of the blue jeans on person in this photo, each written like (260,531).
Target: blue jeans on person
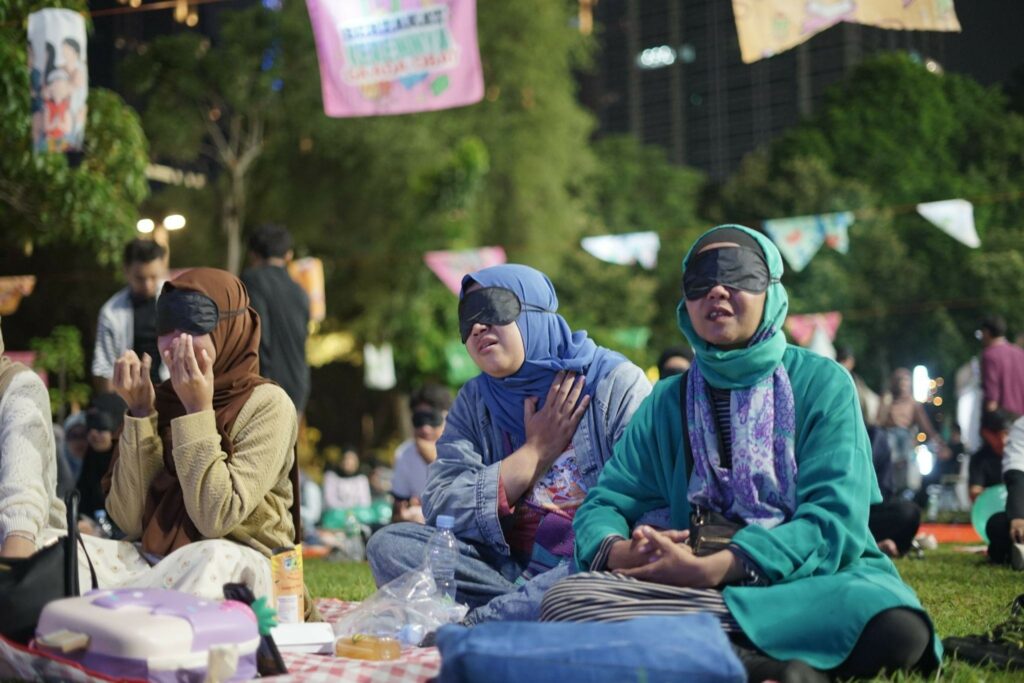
(485,579)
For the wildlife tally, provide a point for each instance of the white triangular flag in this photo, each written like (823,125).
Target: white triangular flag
(626,249)
(821,344)
(378,367)
(955,217)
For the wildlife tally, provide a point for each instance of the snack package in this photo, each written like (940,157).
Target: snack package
(286,571)
(367,647)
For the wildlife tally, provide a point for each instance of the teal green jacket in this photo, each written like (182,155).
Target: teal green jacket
(826,577)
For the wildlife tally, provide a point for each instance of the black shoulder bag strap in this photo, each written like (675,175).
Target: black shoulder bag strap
(72,541)
(687,453)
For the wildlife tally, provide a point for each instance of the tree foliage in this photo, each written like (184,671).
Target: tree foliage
(889,137)
(632,187)
(61,355)
(372,195)
(44,199)
(211,102)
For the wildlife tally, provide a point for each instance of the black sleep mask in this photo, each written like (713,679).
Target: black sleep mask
(425,418)
(734,267)
(188,311)
(491,306)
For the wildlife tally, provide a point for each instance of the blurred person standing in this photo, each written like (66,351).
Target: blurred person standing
(1002,368)
(869,400)
(1005,530)
(900,416)
(283,307)
(429,405)
(127,321)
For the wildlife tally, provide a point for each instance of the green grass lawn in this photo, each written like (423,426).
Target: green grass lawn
(961,591)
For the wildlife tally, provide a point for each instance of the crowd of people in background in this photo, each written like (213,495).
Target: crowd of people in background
(577,494)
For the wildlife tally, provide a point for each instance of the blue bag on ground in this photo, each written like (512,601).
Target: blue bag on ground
(691,648)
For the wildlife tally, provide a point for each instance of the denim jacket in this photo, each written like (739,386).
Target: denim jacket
(463,481)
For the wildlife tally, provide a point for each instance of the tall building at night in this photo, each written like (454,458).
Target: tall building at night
(670,73)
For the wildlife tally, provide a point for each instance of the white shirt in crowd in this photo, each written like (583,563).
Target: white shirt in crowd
(341,493)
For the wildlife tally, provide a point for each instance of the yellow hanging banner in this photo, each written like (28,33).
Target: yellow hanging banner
(768,27)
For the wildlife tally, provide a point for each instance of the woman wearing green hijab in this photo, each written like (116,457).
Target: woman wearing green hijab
(768,437)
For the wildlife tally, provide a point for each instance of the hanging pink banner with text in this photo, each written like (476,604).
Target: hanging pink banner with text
(452,266)
(380,57)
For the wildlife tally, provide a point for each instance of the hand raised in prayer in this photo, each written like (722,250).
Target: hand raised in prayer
(674,564)
(133,384)
(191,377)
(550,429)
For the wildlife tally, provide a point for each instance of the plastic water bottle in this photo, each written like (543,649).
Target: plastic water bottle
(443,556)
(352,527)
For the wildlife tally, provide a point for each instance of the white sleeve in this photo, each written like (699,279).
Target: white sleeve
(1013,454)
(105,352)
(27,454)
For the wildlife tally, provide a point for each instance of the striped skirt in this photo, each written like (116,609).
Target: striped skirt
(604,596)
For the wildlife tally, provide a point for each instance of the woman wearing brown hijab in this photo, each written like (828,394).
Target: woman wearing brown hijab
(201,481)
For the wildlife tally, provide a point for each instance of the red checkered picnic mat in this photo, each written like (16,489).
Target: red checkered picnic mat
(415,666)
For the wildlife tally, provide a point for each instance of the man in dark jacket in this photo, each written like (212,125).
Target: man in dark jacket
(284,312)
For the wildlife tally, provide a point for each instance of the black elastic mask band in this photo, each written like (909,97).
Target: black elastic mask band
(188,311)
(491,306)
(734,267)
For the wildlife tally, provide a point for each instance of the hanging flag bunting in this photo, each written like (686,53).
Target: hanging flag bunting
(58,78)
(768,28)
(803,327)
(452,266)
(378,367)
(460,367)
(309,273)
(821,343)
(396,56)
(625,250)
(955,217)
(630,337)
(800,237)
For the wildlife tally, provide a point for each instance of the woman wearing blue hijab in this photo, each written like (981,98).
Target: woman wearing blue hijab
(761,454)
(523,443)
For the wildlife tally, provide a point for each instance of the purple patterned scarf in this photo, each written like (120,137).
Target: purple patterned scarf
(760,488)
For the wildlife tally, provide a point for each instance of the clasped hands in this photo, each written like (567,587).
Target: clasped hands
(191,377)
(665,557)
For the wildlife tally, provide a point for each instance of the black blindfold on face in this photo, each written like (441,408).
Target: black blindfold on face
(735,267)
(189,311)
(427,418)
(491,306)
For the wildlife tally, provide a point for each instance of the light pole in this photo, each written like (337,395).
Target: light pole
(159,231)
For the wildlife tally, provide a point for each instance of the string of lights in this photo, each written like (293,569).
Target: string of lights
(184,10)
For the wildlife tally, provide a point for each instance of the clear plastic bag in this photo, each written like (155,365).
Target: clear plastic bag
(405,609)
